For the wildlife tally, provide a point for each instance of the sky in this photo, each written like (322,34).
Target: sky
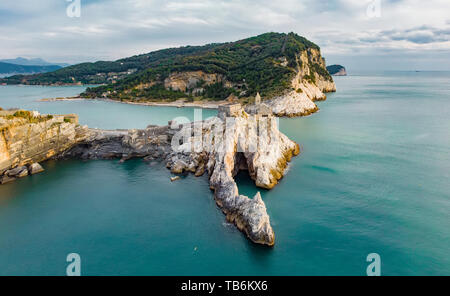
(359,34)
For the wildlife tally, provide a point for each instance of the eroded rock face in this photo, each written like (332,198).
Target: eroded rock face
(183,81)
(220,146)
(292,104)
(249,142)
(28,138)
(307,86)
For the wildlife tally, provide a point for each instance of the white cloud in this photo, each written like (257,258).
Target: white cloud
(117,28)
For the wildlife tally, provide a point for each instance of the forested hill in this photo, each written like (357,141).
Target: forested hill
(104,71)
(265,63)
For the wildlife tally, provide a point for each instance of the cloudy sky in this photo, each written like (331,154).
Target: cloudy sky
(360,34)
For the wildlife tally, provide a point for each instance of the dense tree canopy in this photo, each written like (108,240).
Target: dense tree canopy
(250,65)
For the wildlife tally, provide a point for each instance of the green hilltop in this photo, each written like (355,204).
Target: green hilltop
(265,63)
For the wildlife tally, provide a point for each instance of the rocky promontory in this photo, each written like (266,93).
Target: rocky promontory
(309,84)
(220,147)
(27,138)
(286,69)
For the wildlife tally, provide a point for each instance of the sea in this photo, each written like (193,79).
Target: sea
(373,177)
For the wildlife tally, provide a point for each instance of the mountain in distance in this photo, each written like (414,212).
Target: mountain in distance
(272,64)
(7,69)
(337,70)
(32,62)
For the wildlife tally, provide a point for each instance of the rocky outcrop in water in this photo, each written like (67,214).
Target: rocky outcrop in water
(229,143)
(220,147)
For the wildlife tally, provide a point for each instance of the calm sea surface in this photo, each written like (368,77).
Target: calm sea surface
(373,178)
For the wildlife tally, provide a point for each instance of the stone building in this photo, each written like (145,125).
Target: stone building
(259,108)
(229,110)
(257,99)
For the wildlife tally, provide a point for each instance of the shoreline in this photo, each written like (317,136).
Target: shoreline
(178,104)
(202,105)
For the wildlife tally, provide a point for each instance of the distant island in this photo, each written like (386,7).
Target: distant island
(7,69)
(23,66)
(32,62)
(337,70)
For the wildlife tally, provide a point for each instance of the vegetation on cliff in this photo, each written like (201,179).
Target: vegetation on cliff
(265,63)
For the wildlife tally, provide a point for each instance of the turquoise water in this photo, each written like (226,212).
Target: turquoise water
(94,113)
(372,178)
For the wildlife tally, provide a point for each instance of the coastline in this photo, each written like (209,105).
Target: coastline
(178,104)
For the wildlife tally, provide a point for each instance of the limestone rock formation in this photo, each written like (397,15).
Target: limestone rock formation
(28,137)
(183,81)
(243,142)
(221,146)
(307,86)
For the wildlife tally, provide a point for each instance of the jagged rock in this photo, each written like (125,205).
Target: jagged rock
(251,218)
(246,141)
(292,104)
(6,179)
(35,168)
(200,170)
(175,178)
(23,173)
(307,88)
(188,80)
(26,138)
(221,146)
(17,172)
(177,167)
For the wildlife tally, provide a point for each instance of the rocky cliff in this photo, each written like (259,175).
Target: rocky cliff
(220,146)
(28,137)
(193,80)
(309,84)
